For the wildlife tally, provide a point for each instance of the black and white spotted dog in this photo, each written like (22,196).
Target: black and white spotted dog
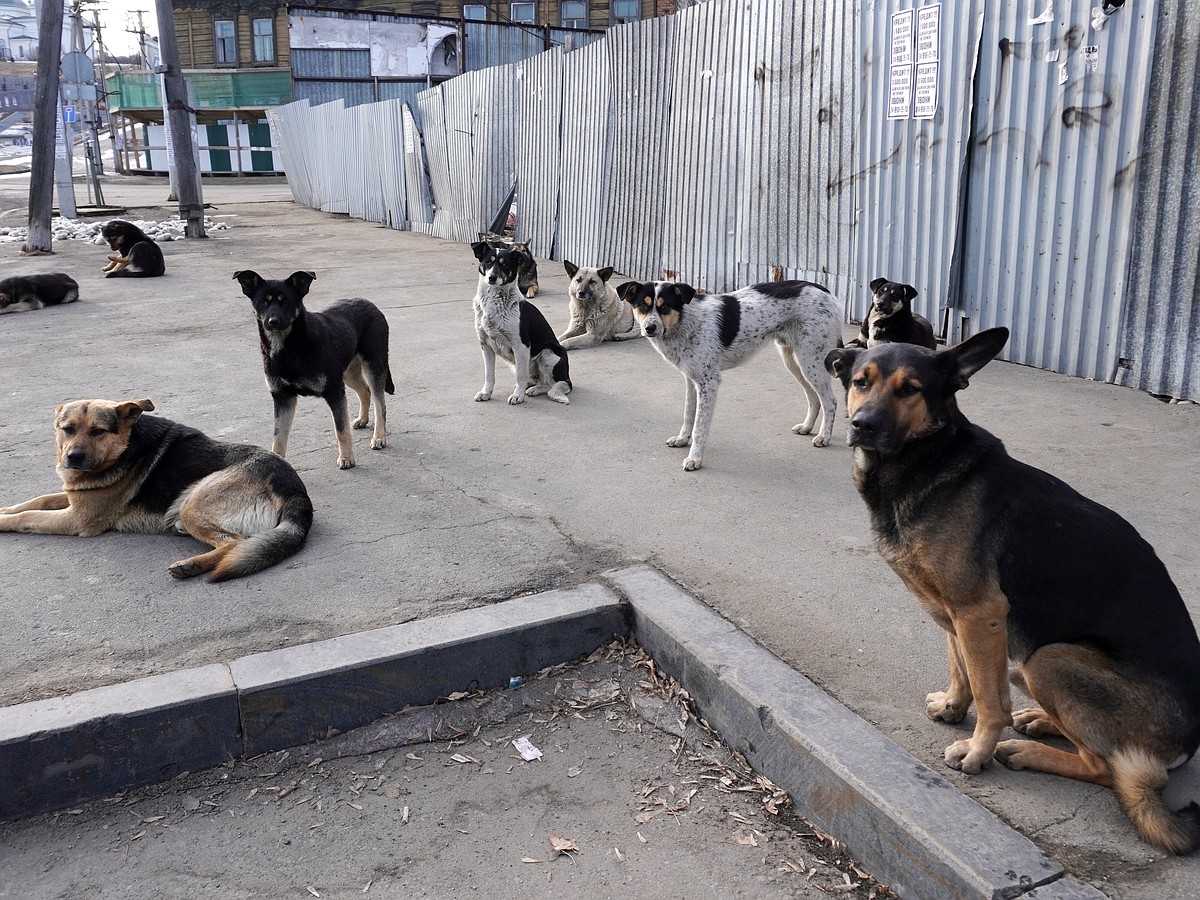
(514,328)
(703,334)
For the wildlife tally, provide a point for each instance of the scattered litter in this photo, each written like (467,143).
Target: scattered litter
(190,803)
(529,859)
(404,816)
(573,771)
(526,749)
(312,890)
(640,838)
(562,845)
(516,681)
(619,855)
(287,789)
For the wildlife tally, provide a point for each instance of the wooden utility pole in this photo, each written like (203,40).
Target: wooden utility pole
(179,124)
(45,119)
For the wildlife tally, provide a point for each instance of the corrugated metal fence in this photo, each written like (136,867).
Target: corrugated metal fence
(742,141)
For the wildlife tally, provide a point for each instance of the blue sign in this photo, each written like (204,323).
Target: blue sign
(69,115)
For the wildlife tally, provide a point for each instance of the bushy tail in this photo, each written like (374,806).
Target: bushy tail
(1138,781)
(266,548)
(391,388)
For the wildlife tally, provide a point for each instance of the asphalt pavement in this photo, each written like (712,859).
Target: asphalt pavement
(471,503)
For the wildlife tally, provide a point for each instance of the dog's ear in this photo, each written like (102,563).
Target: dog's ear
(877,283)
(629,291)
(300,281)
(963,360)
(840,363)
(480,249)
(907,291)
(605,273)
(250,281)
(685,292)
(570,267)
(129,411)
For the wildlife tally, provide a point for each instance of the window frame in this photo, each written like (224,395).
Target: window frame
(619,17)
(254,36)
(580,21)
(482,7)
(219,41)
(512,8)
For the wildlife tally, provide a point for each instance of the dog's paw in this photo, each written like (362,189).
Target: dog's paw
(482,396)
(941,707)
(1035,722)
(802,429)
(531,292)
(1010,753)
(185,568)
(679,442)
(691,464)
(515,398)
(966,757)
(359,423)
(345,462)
(820,441)
(378,443)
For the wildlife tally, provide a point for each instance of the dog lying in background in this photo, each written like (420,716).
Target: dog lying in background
(597,313)
(135,256)
(701,335)
(515,330)
(123,471)
(527,273)
(891,319)
(316,354)
(24,292)
(1016,565)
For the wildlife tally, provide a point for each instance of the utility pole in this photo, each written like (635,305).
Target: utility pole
(140,31)
(47,122)
(179,127)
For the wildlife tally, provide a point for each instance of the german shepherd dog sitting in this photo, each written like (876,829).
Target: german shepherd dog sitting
(515,330)
(891,319)
(1014,563)
(135,254)
(22,292)
(316,354)
(124,471)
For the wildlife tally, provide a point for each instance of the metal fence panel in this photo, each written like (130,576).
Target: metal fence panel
(1056,137)
(416,182)
(585,150)
(1160,346)
(537,140)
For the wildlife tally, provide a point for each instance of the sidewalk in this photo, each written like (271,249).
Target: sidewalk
(475,503)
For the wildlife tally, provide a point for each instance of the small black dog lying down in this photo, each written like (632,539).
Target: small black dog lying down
(316,354)
(891,319)
(23,292)
(136,256)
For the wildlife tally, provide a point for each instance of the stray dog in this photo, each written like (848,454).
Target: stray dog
(516,330)
(597,313)
(123,471)
(701,335)
(136,256)
(22,292)
(316,354)
(891,319)
(1012,562)
(527,274)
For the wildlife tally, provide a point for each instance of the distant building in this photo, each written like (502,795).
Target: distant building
(18,30)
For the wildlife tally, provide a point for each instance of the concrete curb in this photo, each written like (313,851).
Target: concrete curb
(902,820)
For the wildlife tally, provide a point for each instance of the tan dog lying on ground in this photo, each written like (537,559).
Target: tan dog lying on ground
(597,313)
(123,471)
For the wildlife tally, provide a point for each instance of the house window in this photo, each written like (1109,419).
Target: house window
(224,41)
(574,14)
(522,12)
(626,10)
(264,40)
(475,11)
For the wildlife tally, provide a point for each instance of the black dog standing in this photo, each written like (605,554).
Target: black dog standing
(316,354)
(136,254)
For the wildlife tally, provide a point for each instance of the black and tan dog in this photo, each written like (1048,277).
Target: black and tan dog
(891,319)
(316,354)
(136,256)
(1014,563)
(22,292)
(123,471)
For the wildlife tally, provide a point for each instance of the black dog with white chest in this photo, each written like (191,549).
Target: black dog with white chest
(316,354)
(136,254)
(891,319)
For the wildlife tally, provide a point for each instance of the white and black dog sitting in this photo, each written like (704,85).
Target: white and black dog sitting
(515,329)
(704,334)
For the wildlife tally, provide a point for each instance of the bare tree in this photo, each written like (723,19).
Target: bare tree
(45,113)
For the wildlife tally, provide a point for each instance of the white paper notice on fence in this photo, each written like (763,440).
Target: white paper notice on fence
(902,38)
(900,92)
(925,93)
(928,35)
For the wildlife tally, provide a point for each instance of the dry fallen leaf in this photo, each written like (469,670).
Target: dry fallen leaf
(562,845)
(620,856)
(573,771)
(640,838)
(745,838)
(312,890)
(190,803)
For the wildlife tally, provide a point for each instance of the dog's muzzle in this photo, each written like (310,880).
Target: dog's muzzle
(652,328)
(75,459)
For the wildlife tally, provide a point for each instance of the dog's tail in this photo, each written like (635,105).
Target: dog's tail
(1138,781)
(266,548)
(390,388)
